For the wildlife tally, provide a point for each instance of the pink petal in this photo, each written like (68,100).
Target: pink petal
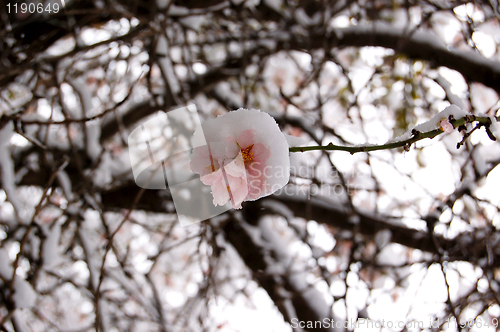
(219,192)
(246,138)
(233,137)
(202,162)
(446,126)
(236,167)
(211,178)
(256,187)
(261,152)
(232,185)
(239,190)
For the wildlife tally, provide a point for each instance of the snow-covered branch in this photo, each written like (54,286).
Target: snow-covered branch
(429,129)
(416,45)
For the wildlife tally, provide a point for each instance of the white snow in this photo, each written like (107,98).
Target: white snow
(294,141)
(382,238)
(94,35)
(303,19)
(283,261)
(483,98)
(446,85)
(93,128)
(266,130)
(65,183)
(495,127)
(103,174)
(433,123)
(277,5)
(166,64)
(24,295)
(14,96)
(425,38)
(490,190)
(484,43)
(194,22)
(469,11)
(51,256)
(104,315)
(162,4)
(479,160)
(5,264)
(199,68)
(7,167)
(60,47)
(88,243)
(20,321)
(19,140)
(446,26)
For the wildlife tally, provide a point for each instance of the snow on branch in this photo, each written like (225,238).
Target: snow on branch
(445,121)
(416,45)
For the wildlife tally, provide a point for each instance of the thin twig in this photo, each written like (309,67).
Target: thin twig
(417,136)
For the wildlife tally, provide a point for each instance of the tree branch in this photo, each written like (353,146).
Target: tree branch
(312,208)
(264,253)
(416,136)
(418,45)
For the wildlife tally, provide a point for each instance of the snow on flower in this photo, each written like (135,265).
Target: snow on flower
(440,120)
(245,157)
(446,126)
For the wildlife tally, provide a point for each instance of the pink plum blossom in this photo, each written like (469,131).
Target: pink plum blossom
(245,157)
(445,125)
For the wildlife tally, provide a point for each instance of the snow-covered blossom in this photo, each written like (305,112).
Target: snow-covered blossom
(245,157)
(446,126)
(440,119)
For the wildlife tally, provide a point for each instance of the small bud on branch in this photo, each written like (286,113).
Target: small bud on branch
(416,135)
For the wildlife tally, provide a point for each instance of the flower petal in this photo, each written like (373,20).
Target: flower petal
(254,152)
(201,163)
(246,138)
(261,152)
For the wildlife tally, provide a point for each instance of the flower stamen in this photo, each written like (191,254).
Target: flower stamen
(247,155)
